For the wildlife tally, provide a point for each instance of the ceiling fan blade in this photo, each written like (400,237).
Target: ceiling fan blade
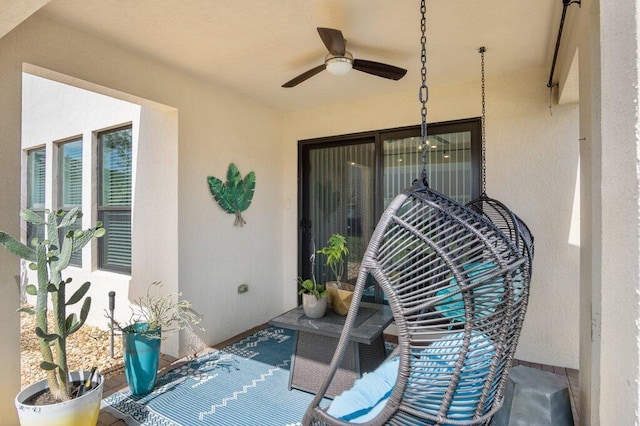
(379,69)
(334,40)
(304,76)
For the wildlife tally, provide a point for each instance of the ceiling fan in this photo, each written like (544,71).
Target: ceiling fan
(339,61)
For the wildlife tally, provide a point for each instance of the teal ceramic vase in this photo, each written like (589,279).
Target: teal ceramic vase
(141,357)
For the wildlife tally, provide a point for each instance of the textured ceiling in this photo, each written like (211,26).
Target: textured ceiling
(254,46)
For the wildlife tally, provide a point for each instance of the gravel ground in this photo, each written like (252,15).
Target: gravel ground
(87,347)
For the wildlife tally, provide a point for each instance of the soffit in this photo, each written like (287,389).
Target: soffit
(254,46)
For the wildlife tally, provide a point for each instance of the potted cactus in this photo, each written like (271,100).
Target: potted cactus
(64,397)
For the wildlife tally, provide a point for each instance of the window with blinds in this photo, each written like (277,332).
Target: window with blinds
(36,166)
(114,204)
(70,184)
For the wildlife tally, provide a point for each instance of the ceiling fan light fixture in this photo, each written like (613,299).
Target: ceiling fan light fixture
(339,65)
(339,61)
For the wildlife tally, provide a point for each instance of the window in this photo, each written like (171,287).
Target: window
(347,181)
(114,199)
(70,184)
(36,165)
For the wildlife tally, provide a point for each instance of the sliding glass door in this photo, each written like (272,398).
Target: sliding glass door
(346,182)
(452,160)
(337,197)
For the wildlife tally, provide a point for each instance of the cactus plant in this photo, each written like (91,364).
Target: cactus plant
(49,258)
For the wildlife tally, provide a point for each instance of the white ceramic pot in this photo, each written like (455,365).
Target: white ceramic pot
(314,308)
(82,411)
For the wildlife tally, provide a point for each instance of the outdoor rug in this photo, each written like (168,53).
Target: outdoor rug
(244,384)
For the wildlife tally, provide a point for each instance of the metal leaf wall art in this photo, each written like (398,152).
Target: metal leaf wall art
(234,195)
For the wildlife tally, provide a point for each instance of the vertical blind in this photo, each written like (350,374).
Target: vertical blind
(341,184)
(114,208)
(448,165)
(70,184)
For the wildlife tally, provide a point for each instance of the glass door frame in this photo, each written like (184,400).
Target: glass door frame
(473,125)
(304,147)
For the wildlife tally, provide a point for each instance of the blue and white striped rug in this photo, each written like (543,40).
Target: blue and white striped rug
(243,384)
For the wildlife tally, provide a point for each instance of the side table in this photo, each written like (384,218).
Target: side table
(317,340)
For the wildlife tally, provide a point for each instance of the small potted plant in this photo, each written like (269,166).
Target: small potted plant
(340,294)
(314,298)
(64,397)
(156,314)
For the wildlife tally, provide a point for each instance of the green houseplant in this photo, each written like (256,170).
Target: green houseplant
(314,298)
(340,294)
(50,257)
(336,251)
(156,313)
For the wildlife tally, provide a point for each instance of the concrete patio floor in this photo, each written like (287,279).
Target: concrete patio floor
(118,382)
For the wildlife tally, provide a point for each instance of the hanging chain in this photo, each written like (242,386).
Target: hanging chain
(423,95)
(484,135)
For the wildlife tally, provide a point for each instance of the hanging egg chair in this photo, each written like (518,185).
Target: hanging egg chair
(458,288)
(457,282)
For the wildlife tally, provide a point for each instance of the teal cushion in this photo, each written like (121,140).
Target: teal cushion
(433,367)
(486,297)
(368,395)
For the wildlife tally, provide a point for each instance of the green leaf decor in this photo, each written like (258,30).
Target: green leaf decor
(234,195)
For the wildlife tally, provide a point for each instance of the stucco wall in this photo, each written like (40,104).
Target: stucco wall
(215,127)
(619,177)
(10,110)
(532,166)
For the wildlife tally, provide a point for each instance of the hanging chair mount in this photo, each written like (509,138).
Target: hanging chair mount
(482,50)
(423,94)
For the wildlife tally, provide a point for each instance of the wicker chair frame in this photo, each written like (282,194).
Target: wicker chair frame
(451,276)
(507,221)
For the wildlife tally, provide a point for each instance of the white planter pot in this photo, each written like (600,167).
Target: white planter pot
(313,308)
(82,411)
